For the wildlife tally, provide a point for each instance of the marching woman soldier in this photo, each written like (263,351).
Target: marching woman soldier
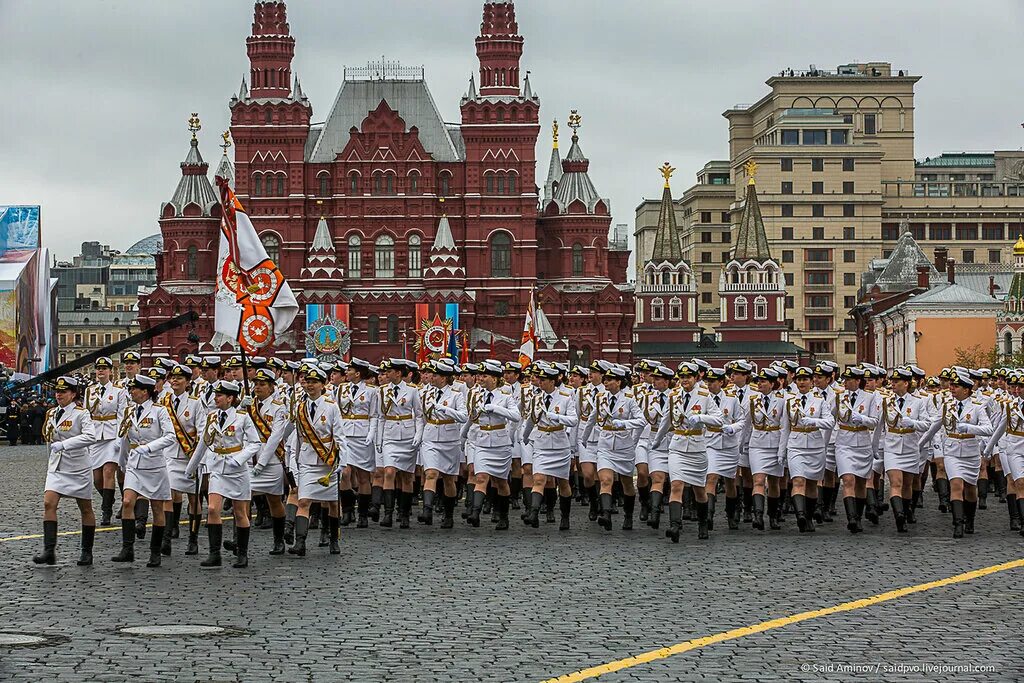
(399,435)
(159,375)
(761,429)
(903,416)
(146,431)
(963,419)
(105,403)
(493,419)
(690,410)
(520,385)
(318,428)
(739,375)
(825,384)
(358,406)
(131,363)
(805,433)
(229,443)
(187,415)
(856,418)
(1010,435)
(211,373)
(269,414)
(657,458)
(551,413)
(587,449)
(444,412)
(723,450)
(70,432)
(617,417)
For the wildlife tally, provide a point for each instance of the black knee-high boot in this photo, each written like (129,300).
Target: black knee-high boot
(127,553)
(376,498)
(387,519)
(595,502)
(278,526)
(942,488)
(1011,507)
(605,519)
(748,504)
(982,494)
(774,513)
(757,511)
(290,512)
(141,517)
(812,508)
(957,507)
(1020,513)
(871,511)
(654,518)
(852,520)
(404,508)
(970,510)
(88,538)
(702,519)
(644,493)
(448,505)
(502,503)
(732,512)
(348,507)
(675,519)
(550,498)
(242,556)
(165,546)
(49,554)
(173,528)
(688,504)
(712,499)
(427,515)
(533,517)
(898,514)
(215,534)
(334,523)
(301,531)
(800,509)
(363,507)
(473,519)
(565,508)
(156,542)
(628,506)
(325,526)
(107,506)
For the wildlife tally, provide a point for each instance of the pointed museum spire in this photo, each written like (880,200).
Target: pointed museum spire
(322,259)
(226,169)
(271,49)
(445,270)
(751,239)
(194,186)
(554,166)
(667,246)
(499,48)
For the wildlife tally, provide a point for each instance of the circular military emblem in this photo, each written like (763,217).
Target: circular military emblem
(328,339)
(434,339)
(266,282)
(229,276)
(256,330)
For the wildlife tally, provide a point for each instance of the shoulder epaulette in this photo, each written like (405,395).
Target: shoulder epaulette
(701,392)
(564,393)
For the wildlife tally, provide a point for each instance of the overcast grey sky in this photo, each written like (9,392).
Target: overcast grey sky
(98,91)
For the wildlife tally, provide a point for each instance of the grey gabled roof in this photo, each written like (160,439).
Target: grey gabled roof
(751,239)
(575,183)
(901,271)
(667,246)
(194,187)
(410,98)
(554,173)
(952,294)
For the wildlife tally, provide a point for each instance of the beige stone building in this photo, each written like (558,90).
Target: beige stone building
(836,174)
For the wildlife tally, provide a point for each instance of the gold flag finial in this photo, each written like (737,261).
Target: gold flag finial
(574,121)
(554,134)
(194,125)
(666,172)
(226,145)
(751,168)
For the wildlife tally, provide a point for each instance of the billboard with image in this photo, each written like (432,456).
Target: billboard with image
(19,227)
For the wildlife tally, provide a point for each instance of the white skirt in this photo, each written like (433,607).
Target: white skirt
(270,481)
(552,463)
(765,461)
(588,453)
(963,468)
(233,485)
(526,454)
(358,454)
(830,457)
(643,447)
(809,463)
(853,461)
(398,454)
(904,462)
(470,450)
(620,462)
(445,456)
(1014,465)
(176,473)
(494,461)
(70,484)
(150,484)
(102,452)
(689,468)
(744,457)
(657,461)
(309,484)
(724,463)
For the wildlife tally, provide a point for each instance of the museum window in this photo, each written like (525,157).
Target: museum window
(787,233)
(818,210)
(257,184)
(280,185)
(392,329)
(445,183)
(787,187)
(577,260)
(786,164)
(657,309)
(501,255)
(817,164)
(272,246)
(511,183)
(78,340)
(192,263)
(817,187)
(740,308)
(373,329)
(355,256)
(501,308)
(869,124)
(675,309)
(325,184)
(414,182)
(378,182)
(850,233)
(415,256)
(760,308)
(705,297)
(390,183)
(384,257)
(353,183)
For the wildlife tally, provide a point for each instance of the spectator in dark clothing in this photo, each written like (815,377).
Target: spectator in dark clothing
(25,423)
(38,417)
(12,422)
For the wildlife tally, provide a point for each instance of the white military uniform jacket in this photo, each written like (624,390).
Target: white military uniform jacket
(326,423)
(69,431)
(616,419)
(359,406)
(273,414)
(726,437)
(493,417)
(444,413)
(807,423)
(400,415)
(899,429)
(191,415)
(688,415)
(550,420)
(226,448)
(146,432)
(762,421)
(106,404)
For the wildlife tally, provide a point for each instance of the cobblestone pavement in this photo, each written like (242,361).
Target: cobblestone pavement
(525,605)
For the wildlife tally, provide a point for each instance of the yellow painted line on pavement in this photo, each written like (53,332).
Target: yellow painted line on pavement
(697,643)
(30,537)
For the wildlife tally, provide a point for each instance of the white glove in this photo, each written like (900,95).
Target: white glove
(857,419)
(56,447)
(416,442)
(441,410)
(617,424)
(488,409)
(693,421)
(142,450)
(368,441)
(190,471)
(554,417)
(729,429)
(257,469)
(963,427)
(246,403)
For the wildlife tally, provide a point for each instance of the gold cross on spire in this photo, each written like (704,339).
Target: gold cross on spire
(751,168)
(574,121)
(554,133)
(666,172)
(226,145)
(194,125)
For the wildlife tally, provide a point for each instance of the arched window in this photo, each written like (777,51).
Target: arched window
(489,179)
(273,247)
(355,256)
(353,183)
(445,180)
(501,116)
(280,185)
(577,260)
(760,308)
(414,182)
(740,308)
(511,183)
(1008,344)
(657,309)
(269,118)
(390,185)
(257,184)
(378,182)
(501,183)
(501,255)
(373,329)
(392,329)
(192,264)
(675,309)
(325,184)
(415,256)
(384,256)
